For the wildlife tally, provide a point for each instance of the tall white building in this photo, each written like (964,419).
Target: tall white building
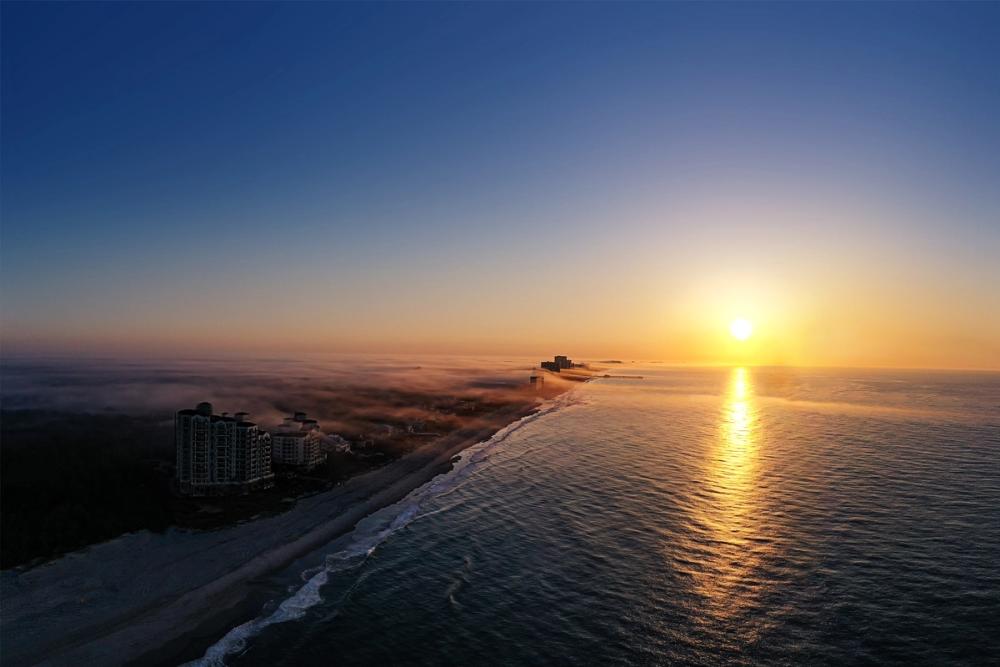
(219,454)
(297,442)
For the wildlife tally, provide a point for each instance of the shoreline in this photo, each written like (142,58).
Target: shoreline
(162,623)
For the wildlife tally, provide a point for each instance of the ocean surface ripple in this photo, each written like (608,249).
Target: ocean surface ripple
(731,516)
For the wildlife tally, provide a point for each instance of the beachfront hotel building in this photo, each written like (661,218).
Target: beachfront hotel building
(220,454)
(297,442)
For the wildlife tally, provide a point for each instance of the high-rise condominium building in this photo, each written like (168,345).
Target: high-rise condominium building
(219,454)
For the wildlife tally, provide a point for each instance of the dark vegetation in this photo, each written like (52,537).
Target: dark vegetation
(74,479)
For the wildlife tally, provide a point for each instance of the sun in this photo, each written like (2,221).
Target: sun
(741,328)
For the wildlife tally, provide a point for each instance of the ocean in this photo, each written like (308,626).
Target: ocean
(709,516)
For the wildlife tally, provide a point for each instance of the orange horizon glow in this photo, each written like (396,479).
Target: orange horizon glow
(809,323)
(757,354)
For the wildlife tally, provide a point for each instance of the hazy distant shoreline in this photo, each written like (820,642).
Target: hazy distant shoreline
(92,603)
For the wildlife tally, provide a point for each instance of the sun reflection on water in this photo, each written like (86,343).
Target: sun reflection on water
(738,423)
(731,514)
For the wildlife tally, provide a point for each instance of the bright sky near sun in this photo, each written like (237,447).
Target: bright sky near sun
(618,180)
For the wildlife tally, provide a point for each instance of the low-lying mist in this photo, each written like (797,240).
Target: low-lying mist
(344,394)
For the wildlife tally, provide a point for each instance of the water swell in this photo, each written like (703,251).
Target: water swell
(365,538)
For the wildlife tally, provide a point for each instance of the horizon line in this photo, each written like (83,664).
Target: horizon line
(4,357)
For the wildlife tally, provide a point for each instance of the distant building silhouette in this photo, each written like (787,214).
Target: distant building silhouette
(558,363)
(219,454)
(536,381)
(297,442)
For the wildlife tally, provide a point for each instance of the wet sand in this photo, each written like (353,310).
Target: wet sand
(150,598)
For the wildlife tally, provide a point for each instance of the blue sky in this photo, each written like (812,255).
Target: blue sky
(373,164)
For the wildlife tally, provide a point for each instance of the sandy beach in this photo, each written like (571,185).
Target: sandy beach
(127,599)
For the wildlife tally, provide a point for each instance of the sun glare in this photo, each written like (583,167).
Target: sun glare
(741,329)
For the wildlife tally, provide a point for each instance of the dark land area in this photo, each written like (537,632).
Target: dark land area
(72,479)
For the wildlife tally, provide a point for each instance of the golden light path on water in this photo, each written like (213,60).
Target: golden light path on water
(729,579)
